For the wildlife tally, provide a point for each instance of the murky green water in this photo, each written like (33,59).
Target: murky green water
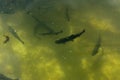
(40,58)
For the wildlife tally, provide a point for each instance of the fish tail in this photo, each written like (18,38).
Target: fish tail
(22,41)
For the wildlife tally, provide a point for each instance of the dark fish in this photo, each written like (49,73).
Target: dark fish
(31,14)
(69,38)
(97,46)
(3,77)
(6,39)
(14,33)
(67,14)
(50,31)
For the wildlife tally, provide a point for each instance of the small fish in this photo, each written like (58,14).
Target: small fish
(3,77)
(14,33)
(67,14)
(52,33)
(69,38)
(97,46)
(31,14)
(41,25)
(6,39)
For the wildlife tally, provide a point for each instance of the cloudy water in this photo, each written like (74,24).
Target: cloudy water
(59,39)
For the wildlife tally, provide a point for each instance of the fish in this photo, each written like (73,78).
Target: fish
(97,46)
(43,29)
(67,14)
(50,31)
(14,33)
(6,39)
(69,38)
(3,77)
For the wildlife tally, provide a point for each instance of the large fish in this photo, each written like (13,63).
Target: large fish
(14,33)
(69,38)
(3,77)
